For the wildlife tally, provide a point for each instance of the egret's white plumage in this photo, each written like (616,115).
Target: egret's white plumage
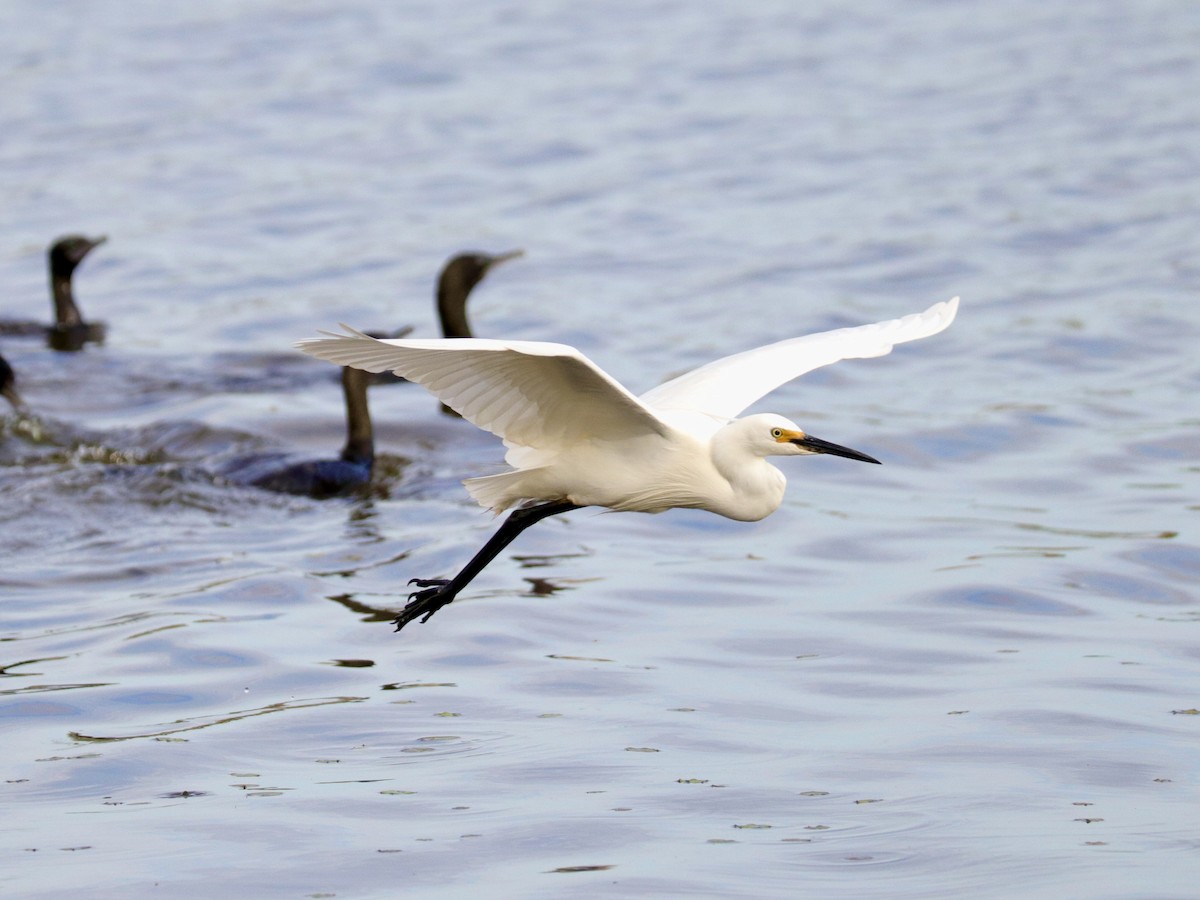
(577,437)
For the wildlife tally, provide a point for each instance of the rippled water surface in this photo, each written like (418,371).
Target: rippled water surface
(972,671)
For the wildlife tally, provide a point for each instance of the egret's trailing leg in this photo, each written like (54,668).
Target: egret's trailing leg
(437,592)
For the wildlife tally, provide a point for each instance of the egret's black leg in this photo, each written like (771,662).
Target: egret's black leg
(437,592)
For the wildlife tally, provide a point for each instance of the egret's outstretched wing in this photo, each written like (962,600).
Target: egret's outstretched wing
(727,386)
(530,393)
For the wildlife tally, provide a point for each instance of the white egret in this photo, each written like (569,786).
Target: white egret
(69,330)
(318,478)
(577,438)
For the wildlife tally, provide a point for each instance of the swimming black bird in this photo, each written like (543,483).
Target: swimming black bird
(318,478)
(8,384)
(69,330)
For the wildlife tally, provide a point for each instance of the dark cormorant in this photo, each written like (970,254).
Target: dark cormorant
(318,478)
(69,330)
(460,274)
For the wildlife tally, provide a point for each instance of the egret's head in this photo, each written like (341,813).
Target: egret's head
(776,436)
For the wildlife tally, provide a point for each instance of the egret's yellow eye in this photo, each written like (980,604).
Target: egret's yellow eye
(777,433)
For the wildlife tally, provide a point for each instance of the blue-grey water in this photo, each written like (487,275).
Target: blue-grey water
(971,672)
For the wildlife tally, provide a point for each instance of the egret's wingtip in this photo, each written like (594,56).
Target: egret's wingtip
(347,331)
(944,311)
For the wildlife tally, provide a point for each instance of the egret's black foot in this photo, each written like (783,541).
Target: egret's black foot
(424,603)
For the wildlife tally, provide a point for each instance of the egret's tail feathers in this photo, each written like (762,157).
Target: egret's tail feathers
(499,492)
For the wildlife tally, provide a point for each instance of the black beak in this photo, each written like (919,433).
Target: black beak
(816,445)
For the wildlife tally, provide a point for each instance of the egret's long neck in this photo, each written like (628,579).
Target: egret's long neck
(756,487)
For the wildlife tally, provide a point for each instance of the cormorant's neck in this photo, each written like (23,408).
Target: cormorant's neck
(452,295)
(360,439)
(66,313)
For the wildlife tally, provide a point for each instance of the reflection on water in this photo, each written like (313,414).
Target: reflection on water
(185,725)
(969,673)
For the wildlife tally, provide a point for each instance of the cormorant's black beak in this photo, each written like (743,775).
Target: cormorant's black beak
(816,445)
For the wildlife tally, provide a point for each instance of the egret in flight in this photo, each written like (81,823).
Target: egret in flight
(69,331)
(577,438)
